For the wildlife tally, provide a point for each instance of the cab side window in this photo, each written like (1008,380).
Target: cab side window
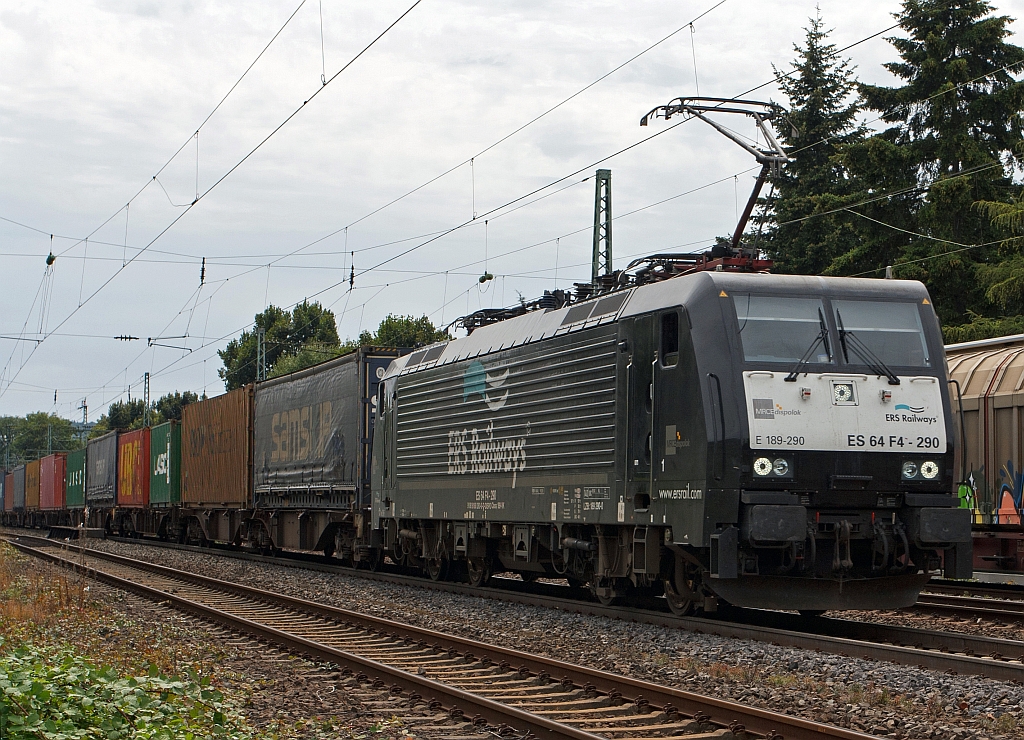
(669,351)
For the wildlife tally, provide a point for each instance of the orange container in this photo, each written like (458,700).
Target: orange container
(133,468)
(216,450)
(32,486)
(52,481)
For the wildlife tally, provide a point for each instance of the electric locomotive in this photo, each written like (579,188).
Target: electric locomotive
(772,441)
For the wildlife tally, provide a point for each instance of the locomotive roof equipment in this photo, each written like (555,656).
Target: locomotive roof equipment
(771,157)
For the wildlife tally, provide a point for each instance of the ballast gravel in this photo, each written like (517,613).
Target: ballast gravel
(877,698)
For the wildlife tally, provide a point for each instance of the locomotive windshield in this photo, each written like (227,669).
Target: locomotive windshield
(891,331)
(776,329)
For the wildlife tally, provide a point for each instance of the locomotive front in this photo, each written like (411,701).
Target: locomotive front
(844,451)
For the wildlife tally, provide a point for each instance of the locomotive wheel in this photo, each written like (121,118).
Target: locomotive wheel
(685,581)
(605,599)
(529,576)
(437,568)
(478,571)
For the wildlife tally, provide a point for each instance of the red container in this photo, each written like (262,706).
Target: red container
(52,481)
(133,468)
(9,492)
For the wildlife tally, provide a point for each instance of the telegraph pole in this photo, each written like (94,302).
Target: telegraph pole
(84,408)
(145,394)
(261,354)
(602,262)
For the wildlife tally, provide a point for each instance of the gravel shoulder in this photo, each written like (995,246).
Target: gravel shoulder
(281,696)
(874,697)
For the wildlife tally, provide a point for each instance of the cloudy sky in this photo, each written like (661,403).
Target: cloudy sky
(97,96)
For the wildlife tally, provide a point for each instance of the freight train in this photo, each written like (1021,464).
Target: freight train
(700,430)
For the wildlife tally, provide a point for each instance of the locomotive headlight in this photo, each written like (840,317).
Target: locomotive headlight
(929,469)
(762,466)
(780,466)
(909,469)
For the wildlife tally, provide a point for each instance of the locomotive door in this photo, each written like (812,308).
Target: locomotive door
(671,433)
(640,398)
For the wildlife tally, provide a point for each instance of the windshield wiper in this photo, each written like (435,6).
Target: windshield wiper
(849,340)
(822,339)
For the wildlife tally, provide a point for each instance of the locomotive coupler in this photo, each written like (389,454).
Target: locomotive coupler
(842,560)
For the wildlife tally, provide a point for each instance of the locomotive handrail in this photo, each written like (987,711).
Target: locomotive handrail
(963,429)
(719,443)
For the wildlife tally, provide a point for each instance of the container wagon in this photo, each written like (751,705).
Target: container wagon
(8,497)
(101,480)
(311,441)
(132,494)
(989,393)
(74,492)
(52,489)
(32,517)
(165,466)
(18,500)
(216,470)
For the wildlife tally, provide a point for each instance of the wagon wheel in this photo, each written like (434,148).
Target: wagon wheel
(604,599)
(437,568)
(529,576)
(478,571)
(376,560)
(682,589)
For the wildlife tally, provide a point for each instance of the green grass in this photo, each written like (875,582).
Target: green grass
(56,694)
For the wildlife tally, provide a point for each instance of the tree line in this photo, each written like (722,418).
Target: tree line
(936,194)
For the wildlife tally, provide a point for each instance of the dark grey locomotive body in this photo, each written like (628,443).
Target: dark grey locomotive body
(656,440)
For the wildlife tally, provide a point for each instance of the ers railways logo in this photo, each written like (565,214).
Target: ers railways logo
(477,381)
(911,409)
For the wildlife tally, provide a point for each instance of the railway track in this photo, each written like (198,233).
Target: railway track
(951,652)
(972,606)
(501,687)
(1009,591)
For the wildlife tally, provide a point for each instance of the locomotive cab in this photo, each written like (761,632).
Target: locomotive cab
(831,435)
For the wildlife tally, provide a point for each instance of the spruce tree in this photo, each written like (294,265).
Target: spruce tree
(955,125)
(822,121)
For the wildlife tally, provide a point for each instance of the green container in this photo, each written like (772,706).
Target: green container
(165,464)
(76,480)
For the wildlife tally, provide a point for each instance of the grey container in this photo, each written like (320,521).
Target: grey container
(312,433)
(19,488)
(101,471)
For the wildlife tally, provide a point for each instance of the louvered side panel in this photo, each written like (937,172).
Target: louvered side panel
(534,409)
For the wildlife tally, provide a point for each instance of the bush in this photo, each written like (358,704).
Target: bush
(55,694)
